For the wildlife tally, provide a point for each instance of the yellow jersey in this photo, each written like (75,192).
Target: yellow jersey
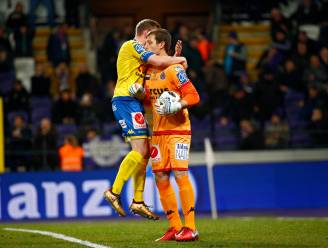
(131,66)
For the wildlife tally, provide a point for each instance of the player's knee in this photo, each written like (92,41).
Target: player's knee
(179,174)
(161,177)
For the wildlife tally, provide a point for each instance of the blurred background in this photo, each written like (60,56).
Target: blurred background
(260,67)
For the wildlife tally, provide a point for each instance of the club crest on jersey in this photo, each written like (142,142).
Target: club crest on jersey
(182,76)
(155,153)
(181,151)
(122,123)
(138,120)
(139,48)
(162,76)
(114,108)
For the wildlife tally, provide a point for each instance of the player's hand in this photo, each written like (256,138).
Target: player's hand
(178,48)
(136,90)
(184,64)
(168,108)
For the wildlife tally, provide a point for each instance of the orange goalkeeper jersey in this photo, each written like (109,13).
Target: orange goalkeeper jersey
(173,78)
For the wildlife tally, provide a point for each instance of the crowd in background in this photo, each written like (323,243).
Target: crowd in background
(63,110)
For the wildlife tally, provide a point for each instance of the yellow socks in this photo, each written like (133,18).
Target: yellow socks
(139,178)
(169,204)
(128,166)
(187,201)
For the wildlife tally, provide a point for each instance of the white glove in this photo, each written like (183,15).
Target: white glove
(136,90)
(168,108)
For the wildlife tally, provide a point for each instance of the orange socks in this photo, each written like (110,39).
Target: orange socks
(187,201)
(169,204)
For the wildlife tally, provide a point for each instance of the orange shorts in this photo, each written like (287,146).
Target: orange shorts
(170,152)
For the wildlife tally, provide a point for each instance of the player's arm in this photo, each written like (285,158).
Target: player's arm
(165,61)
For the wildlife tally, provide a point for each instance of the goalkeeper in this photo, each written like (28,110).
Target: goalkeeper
(171,138)
(128,112)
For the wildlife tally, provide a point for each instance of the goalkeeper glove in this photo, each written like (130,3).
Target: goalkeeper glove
(136,90)
(168,108)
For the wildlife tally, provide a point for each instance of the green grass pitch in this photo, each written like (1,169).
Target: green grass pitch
(223,232)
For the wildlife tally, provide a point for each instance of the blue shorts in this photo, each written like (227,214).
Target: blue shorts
(129,113)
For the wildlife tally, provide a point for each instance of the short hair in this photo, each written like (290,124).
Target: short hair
(146,24)
(162,35)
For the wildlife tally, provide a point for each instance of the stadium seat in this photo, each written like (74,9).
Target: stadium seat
(64,130)
(6,80)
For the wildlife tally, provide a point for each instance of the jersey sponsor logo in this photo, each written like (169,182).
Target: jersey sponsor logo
(139,48)
(114,108)
(138,120)
(157,91)
(122,123)
(181,151)
(155,153)
(130,131)
(162,76)
(182,76)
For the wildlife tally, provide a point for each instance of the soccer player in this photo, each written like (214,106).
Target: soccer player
(128,111)
(171,139)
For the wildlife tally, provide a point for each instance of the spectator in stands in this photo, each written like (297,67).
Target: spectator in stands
(315,73)
(106,113)
(45,147)
(87,83)
(251,136)
(276,132)
(40,82)
(194,58)
(315,97)
(281,42)
(62,80)
(301,56)
(205,47)
(307,13)
(324,58)
(6,53)
(235,56)
(278,23)
(58,48)
(239,106)
(23,42)
(72,13)
(268,96)
(107,56)
(318,127)
(17,18)
(290,77)
(65,109)
(270,60)
(19,144)
(312,45)
(48,4)
(88,111)
(71,155)
(216,84)
(18,98)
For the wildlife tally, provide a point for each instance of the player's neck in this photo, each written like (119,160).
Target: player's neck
(139,39)
(163,53)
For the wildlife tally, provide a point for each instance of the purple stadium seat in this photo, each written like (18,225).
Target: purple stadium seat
(226,137)
(6,82)
(63,130)
(39,113)
(109,129)
(38,102)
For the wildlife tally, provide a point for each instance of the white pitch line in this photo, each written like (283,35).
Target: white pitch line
(58,236)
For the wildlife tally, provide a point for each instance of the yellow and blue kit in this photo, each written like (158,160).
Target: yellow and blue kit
(131,68)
